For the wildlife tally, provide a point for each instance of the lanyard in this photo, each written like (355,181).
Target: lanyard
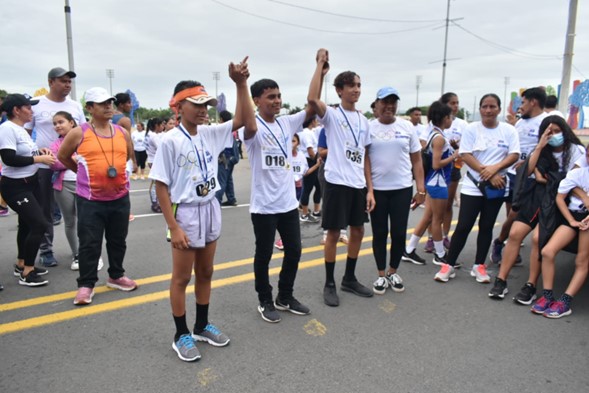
(204,173)
(349,125)
(283,149)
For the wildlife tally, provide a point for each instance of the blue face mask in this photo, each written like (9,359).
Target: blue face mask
(556,140)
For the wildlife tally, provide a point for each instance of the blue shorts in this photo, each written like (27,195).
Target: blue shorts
(437,192)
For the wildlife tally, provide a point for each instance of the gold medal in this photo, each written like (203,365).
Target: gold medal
(287,166)
(205,191)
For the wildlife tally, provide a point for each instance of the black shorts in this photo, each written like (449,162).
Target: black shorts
(530,217)
(455,175)
(343,206)
(578,216)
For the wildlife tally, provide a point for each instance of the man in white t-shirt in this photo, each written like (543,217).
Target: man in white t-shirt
(60,85)
(348,195)
(273,204)
(550,107)
(532,114)
(421,130)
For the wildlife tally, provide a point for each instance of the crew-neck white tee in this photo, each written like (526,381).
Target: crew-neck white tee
(270,157)
(455,130)
(389,152)
(308,139)
(489,146)
(421,131)
(347,135)
(188,164)
(578,177)
(15,137)
(299,165)
(527,131)
(138,138)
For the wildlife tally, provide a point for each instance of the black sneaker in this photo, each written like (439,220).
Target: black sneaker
(291,304)
(413,258)
(526,295)
(316,214)
(499,289)
(439,260)
(268,312)
(356,288)
(32,280)
(330,295)
(39,271)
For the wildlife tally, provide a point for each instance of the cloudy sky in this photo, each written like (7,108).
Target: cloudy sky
(151,45)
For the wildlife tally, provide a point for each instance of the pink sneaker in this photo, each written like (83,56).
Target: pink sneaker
(279,244)
(84,296)
(123,283)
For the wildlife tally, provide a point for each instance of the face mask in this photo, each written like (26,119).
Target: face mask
(556,140)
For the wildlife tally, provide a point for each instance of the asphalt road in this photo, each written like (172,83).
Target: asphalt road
(431,338)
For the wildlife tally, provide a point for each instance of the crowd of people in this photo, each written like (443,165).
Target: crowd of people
(359,170)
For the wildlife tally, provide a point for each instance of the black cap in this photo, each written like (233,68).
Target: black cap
(58,72)
(12,101)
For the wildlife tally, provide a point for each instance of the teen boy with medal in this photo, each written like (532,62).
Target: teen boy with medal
(273,204)
(348,195)
(185,172)
(102,190)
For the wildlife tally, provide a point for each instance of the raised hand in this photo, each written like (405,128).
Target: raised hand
(323,58)
(239,72)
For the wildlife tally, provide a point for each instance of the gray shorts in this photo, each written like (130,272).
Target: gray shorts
(200,222)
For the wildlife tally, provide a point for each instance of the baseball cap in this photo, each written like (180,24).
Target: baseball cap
(387,91)
(98,95)
(12,101)
(58,72)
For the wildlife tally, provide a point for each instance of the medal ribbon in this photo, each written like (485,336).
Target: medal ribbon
(274,136)
(204,173)
(349,125)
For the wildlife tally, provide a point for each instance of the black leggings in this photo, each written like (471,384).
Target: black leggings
(394,206)
(23,196)
(470,208)
(309,181)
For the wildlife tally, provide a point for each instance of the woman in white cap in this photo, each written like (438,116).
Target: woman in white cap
(20,185)
(392,137)
(102,189)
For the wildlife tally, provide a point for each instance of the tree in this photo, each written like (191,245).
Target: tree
(143,114)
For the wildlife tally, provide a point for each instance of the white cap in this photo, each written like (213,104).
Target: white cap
(98,95)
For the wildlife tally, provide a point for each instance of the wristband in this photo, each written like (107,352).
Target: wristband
(420,193)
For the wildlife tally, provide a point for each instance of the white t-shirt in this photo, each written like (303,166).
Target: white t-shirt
(182,160)
(151,143)
(299,165)
(42,121)
(488,146)
(578,177)
(389,154)
(528,131)
(15,137)
(556,113)
(308,139)
(455,130)
(138,138)
(347,134)
(577,154)
(421,131)
(272,175)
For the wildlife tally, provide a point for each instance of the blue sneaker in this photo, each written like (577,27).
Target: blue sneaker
(541,305)
(212,335)
(557,310)
(186,348)
(47,259)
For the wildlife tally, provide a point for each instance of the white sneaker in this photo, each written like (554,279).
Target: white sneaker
(380,286)
(395,282)
(100,264)
(446,272)
(480,273)
(75,266)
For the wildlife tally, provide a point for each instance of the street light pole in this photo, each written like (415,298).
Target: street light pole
(326,81)
(70,45)
(567,61)
(110,74)
(418,80)
(445,48)
(216,77)
(505,98)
